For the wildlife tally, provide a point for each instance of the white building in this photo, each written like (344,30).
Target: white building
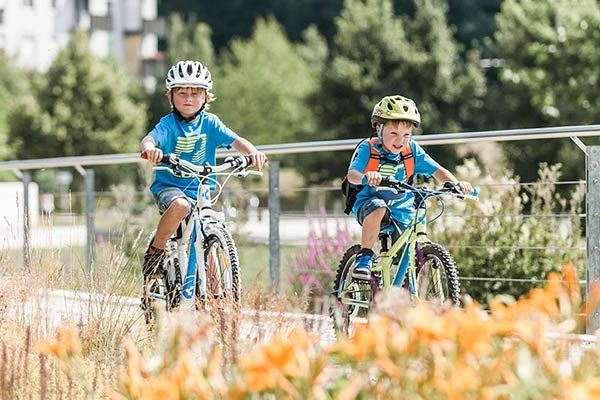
(33,31)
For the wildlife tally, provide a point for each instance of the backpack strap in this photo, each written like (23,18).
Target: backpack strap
(374,158)
(406,155)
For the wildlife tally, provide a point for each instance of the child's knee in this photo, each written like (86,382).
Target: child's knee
(181,206)
(377,214)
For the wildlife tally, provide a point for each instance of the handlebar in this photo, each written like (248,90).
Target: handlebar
(177,164)
(447,188)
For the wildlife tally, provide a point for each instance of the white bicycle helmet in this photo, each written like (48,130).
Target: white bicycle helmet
(188,74)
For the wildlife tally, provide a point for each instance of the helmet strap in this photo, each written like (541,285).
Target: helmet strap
(380,132)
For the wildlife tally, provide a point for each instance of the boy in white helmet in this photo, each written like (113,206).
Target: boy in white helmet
(392,153)
(194,135)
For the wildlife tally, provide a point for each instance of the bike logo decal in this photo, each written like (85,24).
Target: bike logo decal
(205,194)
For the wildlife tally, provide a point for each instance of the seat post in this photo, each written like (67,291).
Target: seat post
(384,240)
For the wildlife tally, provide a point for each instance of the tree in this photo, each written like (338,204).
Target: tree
(13,84)
(236,18)
(551,68)
(84,106)
(189,40)
(262,85)
(377,53)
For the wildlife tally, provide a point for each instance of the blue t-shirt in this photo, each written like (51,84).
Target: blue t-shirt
(196,142)
(402,210)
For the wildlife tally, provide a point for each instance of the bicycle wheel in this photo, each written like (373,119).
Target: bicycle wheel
(222,265)
(345,316)
(437,276)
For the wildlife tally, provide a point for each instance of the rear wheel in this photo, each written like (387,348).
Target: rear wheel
(437,276)
(222,266)
(346,316)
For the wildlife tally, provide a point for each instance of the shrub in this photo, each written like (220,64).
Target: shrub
(514,235)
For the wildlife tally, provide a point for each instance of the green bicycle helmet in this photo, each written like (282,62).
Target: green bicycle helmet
(395,108)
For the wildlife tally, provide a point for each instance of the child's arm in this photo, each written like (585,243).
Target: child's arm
(355,177)
(153,153)
(443,175)
(244,147)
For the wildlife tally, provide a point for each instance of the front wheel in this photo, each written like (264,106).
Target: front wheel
(222,265)
(437,276)
(344,313)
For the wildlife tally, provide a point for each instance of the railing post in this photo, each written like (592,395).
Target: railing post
(89,218)
(274,212)
(26,179)
(593,232)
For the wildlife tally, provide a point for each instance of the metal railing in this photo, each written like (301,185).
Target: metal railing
(83,163)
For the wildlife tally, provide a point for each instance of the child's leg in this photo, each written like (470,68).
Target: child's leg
(170,220)
(370,217)
(175,206)
(370,228)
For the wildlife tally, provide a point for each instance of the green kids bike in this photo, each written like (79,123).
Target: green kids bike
(431,274)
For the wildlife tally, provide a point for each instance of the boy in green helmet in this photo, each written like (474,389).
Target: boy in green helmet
(392,153)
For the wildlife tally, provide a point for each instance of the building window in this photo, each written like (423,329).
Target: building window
(1,17)
(28,3)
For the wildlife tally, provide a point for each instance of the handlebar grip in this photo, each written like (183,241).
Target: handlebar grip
(165,158)
(239,161)
(475,192)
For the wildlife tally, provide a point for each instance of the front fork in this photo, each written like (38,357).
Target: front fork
(192,265)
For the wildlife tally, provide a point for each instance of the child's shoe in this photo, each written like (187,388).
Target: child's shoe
(363,264)
(153,262)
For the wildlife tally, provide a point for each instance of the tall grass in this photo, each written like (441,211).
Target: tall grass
(404,351)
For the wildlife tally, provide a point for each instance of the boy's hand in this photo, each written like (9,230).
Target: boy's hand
(154,155)
(465,187)
(373,178)
(258,159)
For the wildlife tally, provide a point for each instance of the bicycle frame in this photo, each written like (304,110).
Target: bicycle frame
(415,233)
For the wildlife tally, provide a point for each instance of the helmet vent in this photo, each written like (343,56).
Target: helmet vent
(390,107)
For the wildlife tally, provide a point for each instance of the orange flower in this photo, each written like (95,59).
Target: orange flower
(133,379)
(428,326)
(162,388)
(271,365)
(572,280)
(66,344)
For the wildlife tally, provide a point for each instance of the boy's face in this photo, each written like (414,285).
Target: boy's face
(188,100)
(396,135)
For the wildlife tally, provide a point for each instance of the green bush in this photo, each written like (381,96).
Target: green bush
(514,235)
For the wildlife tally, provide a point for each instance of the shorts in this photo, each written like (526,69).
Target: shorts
(367,207)
(373,204)
(165,197)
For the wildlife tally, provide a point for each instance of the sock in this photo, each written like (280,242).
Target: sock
(152,250)
(365,252)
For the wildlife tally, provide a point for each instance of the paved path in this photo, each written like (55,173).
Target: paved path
(52,308)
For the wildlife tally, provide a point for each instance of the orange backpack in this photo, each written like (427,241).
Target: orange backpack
(350,191)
